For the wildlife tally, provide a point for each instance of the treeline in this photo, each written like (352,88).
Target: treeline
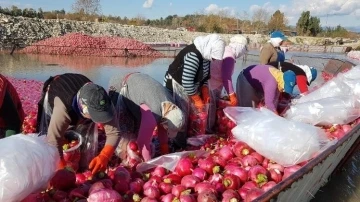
(260,21)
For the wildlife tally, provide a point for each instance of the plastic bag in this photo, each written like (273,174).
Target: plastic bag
(181,99)
(199,140)
(89,146)
(72,155)
(198,120)
(286,142)
(326,111)
(27,163)
(168,161)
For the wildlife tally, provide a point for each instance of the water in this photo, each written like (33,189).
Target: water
(342,187)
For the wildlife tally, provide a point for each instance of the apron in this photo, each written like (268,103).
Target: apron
(215,87)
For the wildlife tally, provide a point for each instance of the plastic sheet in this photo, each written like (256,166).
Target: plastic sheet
(168,161)
(326,111)
(27,163)
(199,140)
(283,141)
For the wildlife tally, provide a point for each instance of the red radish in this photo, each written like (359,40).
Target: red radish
(63,179)
(136,185)
(135,174)
(187,198)
(243,192)
(208,165)
(258,156)
(265,163)
(241,149)
(215,178)
(80,178)
(275,175)
(133,145)
(167,198)
(238,171)
(346,128)
(59,195)
(147,199)
(226,153)
(220,187)
(276,166)
(290,170)
(122,175)
(267,186)
(189,181)
(79,192)
(250,161)
(231,181)
(204,186)
(338,133)
(184,167)
(104,184)
(249,185)
(159,171)
(236,161)
(121,188)
(230,196)
(177,190)
(166,188)
(150,183)
(155,179)
(207,197)
(105,195)
(152,192)
(253,194)
(219,160)
(172,178)
(258,174)
(200,173)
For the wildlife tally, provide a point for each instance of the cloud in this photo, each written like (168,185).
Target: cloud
(170,4)
(215,9)
(267,7)
(148,3)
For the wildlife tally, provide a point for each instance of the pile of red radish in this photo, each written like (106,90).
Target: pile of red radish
(327,76)
(197,123)
(81,44)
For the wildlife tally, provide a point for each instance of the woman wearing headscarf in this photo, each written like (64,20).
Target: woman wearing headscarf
(263,82)
(11,111)
(221,75)
(188,75)
(305,75)
(152,106)
(271,51)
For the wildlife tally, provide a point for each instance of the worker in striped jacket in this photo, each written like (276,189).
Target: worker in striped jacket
(188,75)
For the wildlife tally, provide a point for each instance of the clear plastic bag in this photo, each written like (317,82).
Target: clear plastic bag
(27,164)
(283,141)
(168,161)
(326,111)
(89,146)
(198,120)
(181,99)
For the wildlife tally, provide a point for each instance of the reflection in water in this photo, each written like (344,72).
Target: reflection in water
(342,187)
(85,62)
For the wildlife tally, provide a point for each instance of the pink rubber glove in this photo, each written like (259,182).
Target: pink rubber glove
(147,127)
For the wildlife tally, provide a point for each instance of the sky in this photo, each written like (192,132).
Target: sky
(331,12)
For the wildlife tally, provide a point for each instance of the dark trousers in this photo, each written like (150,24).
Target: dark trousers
(9,114)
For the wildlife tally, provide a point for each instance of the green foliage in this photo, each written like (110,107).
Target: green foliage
(302,26)
(277,21)
(337,31)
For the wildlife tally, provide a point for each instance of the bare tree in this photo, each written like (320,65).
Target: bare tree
(90,7)
(260,19)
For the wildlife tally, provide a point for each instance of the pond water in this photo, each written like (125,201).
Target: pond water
(342,187)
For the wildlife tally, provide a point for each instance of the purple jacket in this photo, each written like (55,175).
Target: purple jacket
(263,81)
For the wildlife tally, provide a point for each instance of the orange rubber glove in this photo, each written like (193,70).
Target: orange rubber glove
(233,99)
(100,162)
(61,164)
(196,99)
(205,94)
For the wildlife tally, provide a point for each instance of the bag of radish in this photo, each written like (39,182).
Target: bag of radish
(283,141)
(71,150)
(27,162)
(197,121)
(169,161)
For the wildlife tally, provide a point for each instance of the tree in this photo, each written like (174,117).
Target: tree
(314,26)
(260,18)
(277,21)
(302,26)
(15,11)
(88,7)
(40,13)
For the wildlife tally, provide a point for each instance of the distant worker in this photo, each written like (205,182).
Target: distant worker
(271,51)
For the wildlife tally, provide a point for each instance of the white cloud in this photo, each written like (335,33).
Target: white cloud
(215,9)
(170,4)
(148,3)
(267,7)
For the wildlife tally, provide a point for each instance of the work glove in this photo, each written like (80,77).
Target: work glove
(233,99)
(196,99)
(205,94)
(100,162)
